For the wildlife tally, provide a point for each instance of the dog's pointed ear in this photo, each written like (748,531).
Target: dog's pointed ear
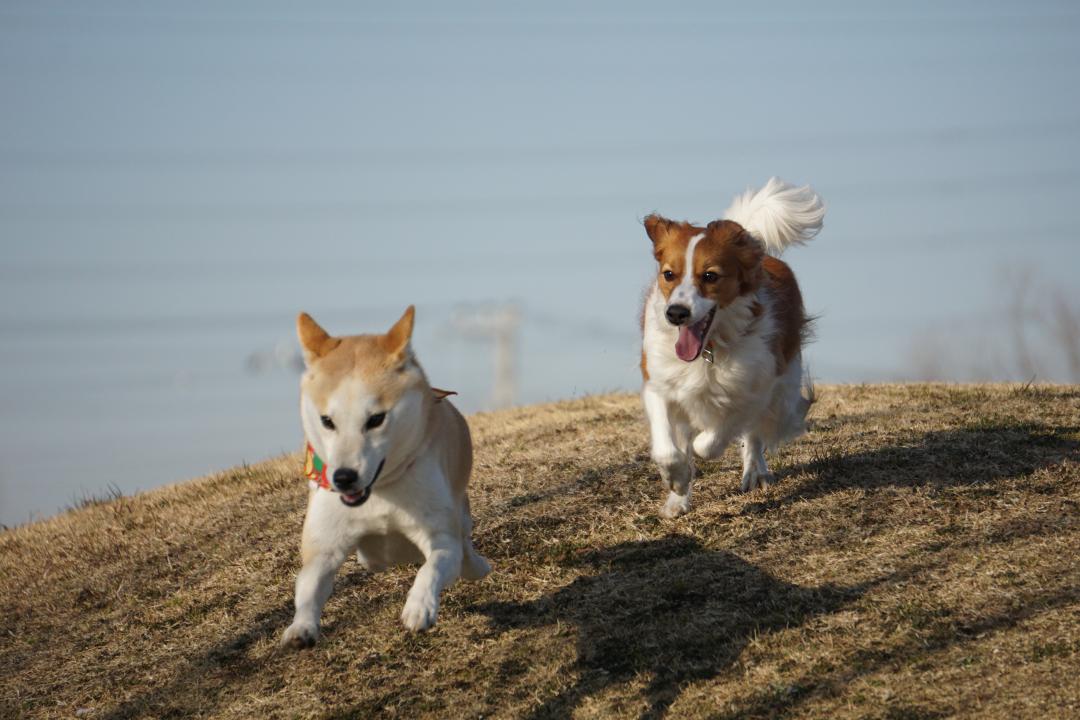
(657,227)
(314,341)
(396,340)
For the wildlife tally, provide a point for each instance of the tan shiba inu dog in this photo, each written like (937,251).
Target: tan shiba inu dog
(395,458)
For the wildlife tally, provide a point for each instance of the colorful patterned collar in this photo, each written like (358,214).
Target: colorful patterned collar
(315,469)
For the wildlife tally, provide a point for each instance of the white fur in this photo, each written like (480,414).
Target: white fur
(779,215)
(697,409)
(411,516)
(686,292)
(350,406)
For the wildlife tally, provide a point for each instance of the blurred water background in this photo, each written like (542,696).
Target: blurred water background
(178,180)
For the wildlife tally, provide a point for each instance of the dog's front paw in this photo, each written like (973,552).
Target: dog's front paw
(299,636)
(676,473)
(676,505)
(753,479)
(420,612)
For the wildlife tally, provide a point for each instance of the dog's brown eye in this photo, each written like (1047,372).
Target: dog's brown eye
(375,421)
(327,422)
(668,275)
(710,277)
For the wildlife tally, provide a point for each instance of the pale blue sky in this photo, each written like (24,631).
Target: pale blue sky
(178,180)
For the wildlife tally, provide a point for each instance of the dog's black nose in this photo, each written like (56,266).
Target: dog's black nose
(677,314)
(345,477)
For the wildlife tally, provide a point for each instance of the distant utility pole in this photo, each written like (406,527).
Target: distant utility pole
(499,324)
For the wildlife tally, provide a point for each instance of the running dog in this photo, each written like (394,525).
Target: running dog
(390,458)
(723,329)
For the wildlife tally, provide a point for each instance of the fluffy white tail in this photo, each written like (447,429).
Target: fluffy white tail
(779,214)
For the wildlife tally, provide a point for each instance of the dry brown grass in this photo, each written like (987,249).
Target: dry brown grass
(917,560)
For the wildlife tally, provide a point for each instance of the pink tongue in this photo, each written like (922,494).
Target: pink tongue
(688,346)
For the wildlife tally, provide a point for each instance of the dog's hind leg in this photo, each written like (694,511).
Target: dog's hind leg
(755,472)
(792,402)
(784,419)
(371,561)
(473,565)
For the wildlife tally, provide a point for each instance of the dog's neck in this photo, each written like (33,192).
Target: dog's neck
(732,323)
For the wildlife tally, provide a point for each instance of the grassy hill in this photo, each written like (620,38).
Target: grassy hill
(917,559)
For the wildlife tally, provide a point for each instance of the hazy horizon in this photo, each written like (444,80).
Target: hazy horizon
(177,183)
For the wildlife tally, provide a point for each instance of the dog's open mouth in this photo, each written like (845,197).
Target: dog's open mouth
(692,338)
(358,499)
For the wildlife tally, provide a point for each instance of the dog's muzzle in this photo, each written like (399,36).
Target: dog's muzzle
(677,314)
(346,478)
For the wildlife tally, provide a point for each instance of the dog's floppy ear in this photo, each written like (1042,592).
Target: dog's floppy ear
(314,341)
(396,340)
(657,227)
(749,251)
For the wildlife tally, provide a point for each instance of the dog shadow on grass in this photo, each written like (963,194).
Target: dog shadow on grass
(201,683)
(667,610)
(977,455)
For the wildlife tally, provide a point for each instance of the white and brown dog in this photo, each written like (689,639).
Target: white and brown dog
(392,459)
(723,329)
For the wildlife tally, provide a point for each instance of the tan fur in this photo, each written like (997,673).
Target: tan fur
(360,355)
(315,341)
(455,452)
(414,505)
(787,310)
(371,357)
(742,268)
(375,358)
(670,240)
